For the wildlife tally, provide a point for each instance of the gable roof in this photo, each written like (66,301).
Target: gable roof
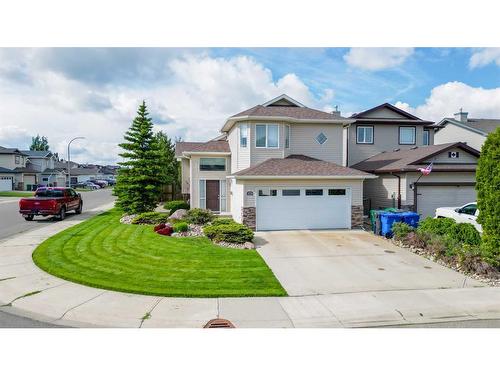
(5,170)
(409,160)
(283,100)
(406,118)
(7,150)
(208,147)
(37,154)
(299,166)
(475,125)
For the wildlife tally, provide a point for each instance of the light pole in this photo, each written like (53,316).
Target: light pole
(69,169)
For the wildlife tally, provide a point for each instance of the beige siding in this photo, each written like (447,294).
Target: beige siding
(185,176)
(464,157)
(385,113)
(385,138)
(252,186)
(9,161)
(383,191)
(453,133)
(240,156)
(258,155)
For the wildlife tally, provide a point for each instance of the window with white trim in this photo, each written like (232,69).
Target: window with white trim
(364,134)
(426,139)
(287,136)
(314,191)
(266,192)
(266,136)
(243,135)
(321,138)
(212,164)
(290,192)
(407,135)
(18,159)
(203,197)
(222,194)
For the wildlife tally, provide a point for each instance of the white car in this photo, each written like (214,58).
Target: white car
(465,214)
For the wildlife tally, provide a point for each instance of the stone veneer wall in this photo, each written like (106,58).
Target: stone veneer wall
(248,217)
(356,216)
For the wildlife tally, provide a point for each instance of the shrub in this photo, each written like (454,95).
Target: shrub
(173,206)
(235,233)
(150,218)
(415,239)
(437,246)
(488,196)
(181,226)
(438,226)
(401,230)
(166,231)
(199,216)
(223,220)
(159,226)
(464,233)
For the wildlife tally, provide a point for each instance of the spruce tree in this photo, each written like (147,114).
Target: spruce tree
(169,165)
(488,196)
(139,179)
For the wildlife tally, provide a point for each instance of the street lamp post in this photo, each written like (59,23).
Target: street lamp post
(69,169)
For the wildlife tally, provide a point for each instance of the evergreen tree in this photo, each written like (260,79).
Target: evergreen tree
(169,165)
(488,196)
(139,179)
(39,143)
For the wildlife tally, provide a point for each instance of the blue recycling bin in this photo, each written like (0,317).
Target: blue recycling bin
(387,219)
(411,218)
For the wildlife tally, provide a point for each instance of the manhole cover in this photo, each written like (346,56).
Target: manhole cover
(219,323)
(389,251)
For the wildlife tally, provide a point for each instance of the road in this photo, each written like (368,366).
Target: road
(11,223)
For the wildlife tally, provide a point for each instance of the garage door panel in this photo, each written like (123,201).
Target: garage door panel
(431,197)
(5,183)
(303,212)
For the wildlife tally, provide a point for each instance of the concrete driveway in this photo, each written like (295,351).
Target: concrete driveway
(324,262)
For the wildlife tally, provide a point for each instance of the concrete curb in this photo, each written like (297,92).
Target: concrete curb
(32,293)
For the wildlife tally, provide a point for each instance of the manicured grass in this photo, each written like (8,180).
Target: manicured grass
(17,193)
(103,253)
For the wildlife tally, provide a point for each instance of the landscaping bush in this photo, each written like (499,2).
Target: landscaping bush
(415,239)
(159,226)
(235,233)
(401,230)
(438,226)
(166,231)
(181,226)
(199,216)
(223,220)
(464,233)
(150,218)
(470,259)
(173,206)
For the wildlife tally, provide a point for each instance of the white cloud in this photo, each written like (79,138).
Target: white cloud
(14,136)
(484,57)
(447,99)
(377,58)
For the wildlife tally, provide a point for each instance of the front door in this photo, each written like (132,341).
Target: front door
(212,187)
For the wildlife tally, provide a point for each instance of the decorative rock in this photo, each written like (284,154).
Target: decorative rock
(127,219)
(179,214)
(249,245)
(240,246)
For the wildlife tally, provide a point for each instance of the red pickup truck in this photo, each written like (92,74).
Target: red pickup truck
(51,201)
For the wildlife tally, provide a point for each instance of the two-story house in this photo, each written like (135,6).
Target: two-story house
(44,163)
(15,171)
(277,165)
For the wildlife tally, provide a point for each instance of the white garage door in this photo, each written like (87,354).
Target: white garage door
(5,183)
(303,208)
(431,197)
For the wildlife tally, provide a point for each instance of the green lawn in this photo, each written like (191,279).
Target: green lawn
(17,193)
(103,253)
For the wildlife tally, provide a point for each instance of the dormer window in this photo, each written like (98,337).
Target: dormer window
(321,138)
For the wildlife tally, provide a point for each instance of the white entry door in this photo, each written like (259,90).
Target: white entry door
(303,208)
(5,183)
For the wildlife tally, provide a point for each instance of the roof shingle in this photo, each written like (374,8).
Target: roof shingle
(301,113)
(210,146)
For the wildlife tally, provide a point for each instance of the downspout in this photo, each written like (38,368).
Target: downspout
(399,189)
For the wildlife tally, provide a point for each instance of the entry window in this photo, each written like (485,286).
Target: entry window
(290,192)
(314,191)
(243,135)
(407,135)
(364,134)
(212,164)
(266,136)
(268,193)
(336,191)
(426,138)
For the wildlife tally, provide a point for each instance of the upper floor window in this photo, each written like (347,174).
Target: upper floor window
(212,164)
(321,138)
(18,159)
(364,134)
(287,136)
(407,135)
(266,136)
(426,140)
(243,135)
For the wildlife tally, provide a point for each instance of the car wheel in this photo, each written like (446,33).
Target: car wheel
(79,209)
(62,213)
(29,217)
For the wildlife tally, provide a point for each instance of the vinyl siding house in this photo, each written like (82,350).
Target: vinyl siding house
(16,170)
(275,166)
(472,131)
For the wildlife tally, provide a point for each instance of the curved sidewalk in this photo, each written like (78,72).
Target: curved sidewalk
(29,291)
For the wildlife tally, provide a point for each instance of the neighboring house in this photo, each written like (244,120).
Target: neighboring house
(83,174)
(472,131)
(44,163)
(384,128)
(276,166)
(15,167)
(451,182)
(6,179)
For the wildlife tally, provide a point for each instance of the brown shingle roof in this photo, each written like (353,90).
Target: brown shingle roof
(299,165)
(210,146)
(411,159)
(301,113)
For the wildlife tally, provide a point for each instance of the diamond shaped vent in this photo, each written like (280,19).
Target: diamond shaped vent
(321,138)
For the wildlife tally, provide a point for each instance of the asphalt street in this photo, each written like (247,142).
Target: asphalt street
(11,223)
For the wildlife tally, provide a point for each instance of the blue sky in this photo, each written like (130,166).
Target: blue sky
(94,92)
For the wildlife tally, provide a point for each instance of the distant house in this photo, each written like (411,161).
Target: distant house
(16,172)
(43,162)
(472,131)
(84,174)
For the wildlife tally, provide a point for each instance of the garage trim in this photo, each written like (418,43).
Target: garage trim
(417,184)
